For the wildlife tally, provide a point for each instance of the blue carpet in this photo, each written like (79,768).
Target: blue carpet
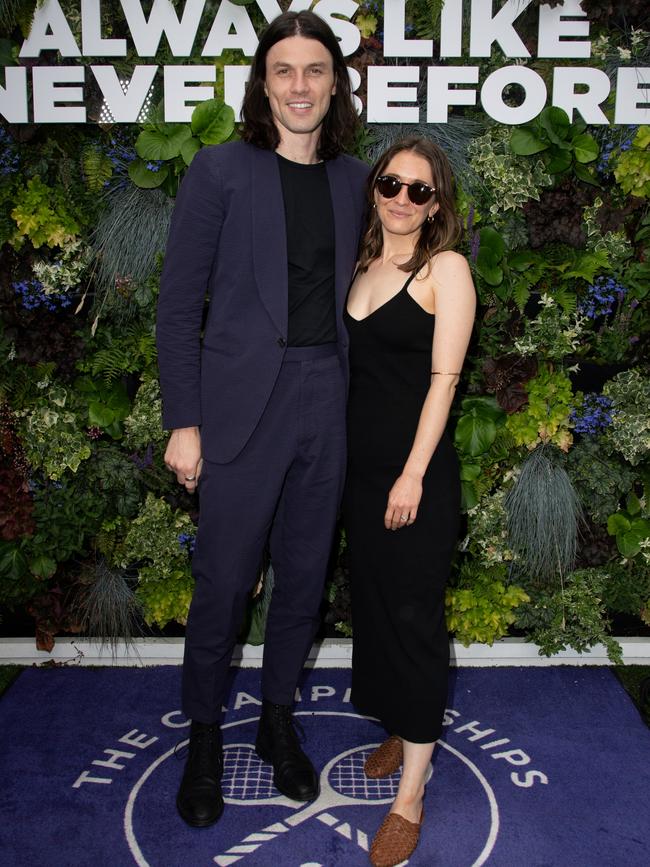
(539,766)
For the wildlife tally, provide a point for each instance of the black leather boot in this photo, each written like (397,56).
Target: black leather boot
(277,743)
(199,799)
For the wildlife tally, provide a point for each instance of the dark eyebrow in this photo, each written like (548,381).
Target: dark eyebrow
(317,64)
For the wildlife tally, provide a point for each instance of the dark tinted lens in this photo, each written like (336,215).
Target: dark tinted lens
(388,186)
(419,193)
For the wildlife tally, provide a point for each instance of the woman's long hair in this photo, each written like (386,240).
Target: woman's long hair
(441,233)
(341,122)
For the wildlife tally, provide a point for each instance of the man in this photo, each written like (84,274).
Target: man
(268,227)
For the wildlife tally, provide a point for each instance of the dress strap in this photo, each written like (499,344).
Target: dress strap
(409,280)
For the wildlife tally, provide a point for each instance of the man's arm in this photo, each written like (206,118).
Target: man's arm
(191,248)
(189,257)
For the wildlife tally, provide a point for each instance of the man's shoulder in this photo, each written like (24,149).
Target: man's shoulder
(354,165)
(229,153)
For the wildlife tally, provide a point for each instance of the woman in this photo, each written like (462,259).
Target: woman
(402,499)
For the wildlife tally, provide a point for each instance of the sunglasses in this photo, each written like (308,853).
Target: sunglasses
(389,186)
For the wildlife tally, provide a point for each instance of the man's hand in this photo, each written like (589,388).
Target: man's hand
(183,456)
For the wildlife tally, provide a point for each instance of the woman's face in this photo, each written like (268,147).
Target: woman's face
(399,215)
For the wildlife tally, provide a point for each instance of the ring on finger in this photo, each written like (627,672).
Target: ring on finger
(190,478)
(403,517)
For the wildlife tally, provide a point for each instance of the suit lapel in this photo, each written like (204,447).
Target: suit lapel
(346,233)
(270,236)
(269,231)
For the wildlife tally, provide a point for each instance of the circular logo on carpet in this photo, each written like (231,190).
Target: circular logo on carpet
(262,827)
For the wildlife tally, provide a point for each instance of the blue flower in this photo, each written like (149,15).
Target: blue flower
(594,416)
(602,296)
(186,542)
(33,296)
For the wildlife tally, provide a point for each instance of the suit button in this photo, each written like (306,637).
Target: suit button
(282,342)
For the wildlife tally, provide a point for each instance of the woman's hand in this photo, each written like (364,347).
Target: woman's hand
(183,456)
(403,501)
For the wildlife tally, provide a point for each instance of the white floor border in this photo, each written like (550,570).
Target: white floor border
(331,653)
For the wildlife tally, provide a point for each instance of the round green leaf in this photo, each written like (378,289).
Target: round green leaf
(143,177)
(617,523)
(99,414)
(629,544)
(585,175)
(213,121)
(474,434)
(492,240)
(469,496)
(525,143)
(488,267)
(42,566)
(486,406)
(559,161)
(555,123)
(585,148)
(162,143)
(469,472)
(189,149)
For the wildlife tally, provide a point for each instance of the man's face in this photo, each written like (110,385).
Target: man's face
(299,84)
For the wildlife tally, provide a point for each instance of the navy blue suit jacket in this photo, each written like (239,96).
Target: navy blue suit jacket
(228,238)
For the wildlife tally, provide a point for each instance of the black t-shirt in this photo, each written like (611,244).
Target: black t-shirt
(310,251)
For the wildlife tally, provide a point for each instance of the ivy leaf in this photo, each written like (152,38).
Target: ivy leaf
(632,504)
(213,121)
(42,566)
(13,563)
(524,143)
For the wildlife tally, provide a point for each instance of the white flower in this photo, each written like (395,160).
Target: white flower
(624,53)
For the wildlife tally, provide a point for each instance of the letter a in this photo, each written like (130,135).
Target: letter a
(50,17)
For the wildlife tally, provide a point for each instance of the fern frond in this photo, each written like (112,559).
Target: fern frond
(97,168)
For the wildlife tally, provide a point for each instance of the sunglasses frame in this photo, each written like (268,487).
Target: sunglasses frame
(409,189)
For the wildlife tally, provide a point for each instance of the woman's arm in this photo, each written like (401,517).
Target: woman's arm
(455,306)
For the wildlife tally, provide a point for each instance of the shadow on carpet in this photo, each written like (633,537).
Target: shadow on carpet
(538,767)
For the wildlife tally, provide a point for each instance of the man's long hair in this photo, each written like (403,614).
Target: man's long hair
(440,234)
(341,122)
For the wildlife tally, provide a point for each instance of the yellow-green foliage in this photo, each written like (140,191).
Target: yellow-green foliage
(42,215)
(165,582)
(633,166)
(546,416)
(483,610)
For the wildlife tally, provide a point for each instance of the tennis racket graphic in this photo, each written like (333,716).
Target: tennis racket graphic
(342,783)
(247,780)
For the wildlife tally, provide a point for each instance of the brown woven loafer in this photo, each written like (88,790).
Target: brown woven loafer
(385,760)
(395,841)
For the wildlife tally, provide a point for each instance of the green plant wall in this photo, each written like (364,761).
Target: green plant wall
(552,420)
